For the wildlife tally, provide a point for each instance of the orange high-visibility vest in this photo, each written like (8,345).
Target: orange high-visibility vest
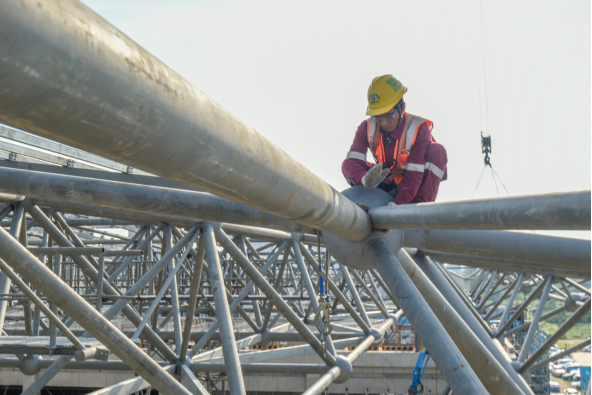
(403,146)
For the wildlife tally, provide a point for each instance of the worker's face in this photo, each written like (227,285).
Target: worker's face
(389,123)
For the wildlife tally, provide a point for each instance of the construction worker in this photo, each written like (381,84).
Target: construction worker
(408,163)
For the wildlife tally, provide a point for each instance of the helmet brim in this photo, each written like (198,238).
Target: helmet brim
(386,107)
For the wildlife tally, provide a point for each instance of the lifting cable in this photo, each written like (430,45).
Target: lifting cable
(485,141)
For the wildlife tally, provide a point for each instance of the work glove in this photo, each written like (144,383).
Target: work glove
(392,204)
(375,176)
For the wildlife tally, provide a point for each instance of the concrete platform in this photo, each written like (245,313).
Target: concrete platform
(375,372)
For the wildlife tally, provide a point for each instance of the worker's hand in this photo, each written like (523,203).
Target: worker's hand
(392,204)
(375,176)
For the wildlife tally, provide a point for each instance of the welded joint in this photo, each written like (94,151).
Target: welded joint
(215,226)
(100,354)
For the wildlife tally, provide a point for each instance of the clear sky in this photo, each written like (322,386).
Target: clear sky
(298,72)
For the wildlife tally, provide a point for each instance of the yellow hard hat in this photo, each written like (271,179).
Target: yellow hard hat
(383,94)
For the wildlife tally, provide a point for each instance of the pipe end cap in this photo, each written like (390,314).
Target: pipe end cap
(345,368)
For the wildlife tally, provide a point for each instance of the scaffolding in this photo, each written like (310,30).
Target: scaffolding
(539,378)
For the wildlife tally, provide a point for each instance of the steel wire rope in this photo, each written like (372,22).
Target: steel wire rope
(478,181)
(484,72)
(494,182)
(486,124)
(500,179)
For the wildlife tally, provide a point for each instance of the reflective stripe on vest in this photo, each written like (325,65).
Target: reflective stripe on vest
(401,155)
(356,155)
(434,169)
(414,167)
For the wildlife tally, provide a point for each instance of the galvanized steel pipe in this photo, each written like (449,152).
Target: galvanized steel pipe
(488,368)
(11,197)
(566,326)
(25,264)
(92,273)
(545,362)
(485,262)
(334,373)
(15,230)
(521,246)
(173,203)
(507,376)
(273,296)
(53,369)
(97,221)
(70,76)
(73,208)
(234,372)
(553,211)
(449,360)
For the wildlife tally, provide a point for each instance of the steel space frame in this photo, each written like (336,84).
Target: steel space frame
(224,224)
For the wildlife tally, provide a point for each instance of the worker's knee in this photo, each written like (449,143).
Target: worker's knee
(436,154)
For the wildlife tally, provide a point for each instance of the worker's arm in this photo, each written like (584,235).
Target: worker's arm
(414,175)
(354,168)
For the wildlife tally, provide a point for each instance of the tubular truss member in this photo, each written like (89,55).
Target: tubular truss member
(409,163)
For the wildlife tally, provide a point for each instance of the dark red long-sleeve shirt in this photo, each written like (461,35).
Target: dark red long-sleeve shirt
(355,169)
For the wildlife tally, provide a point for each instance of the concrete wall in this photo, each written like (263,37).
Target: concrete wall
(67,378)
(375,372)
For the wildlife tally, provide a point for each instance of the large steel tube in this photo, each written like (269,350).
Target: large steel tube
(95,211)
(451,296)
(505,264)
(90,86)
(521,246)
(453,365)
(487,367)
(72,304)
(172,203)
(553,211)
